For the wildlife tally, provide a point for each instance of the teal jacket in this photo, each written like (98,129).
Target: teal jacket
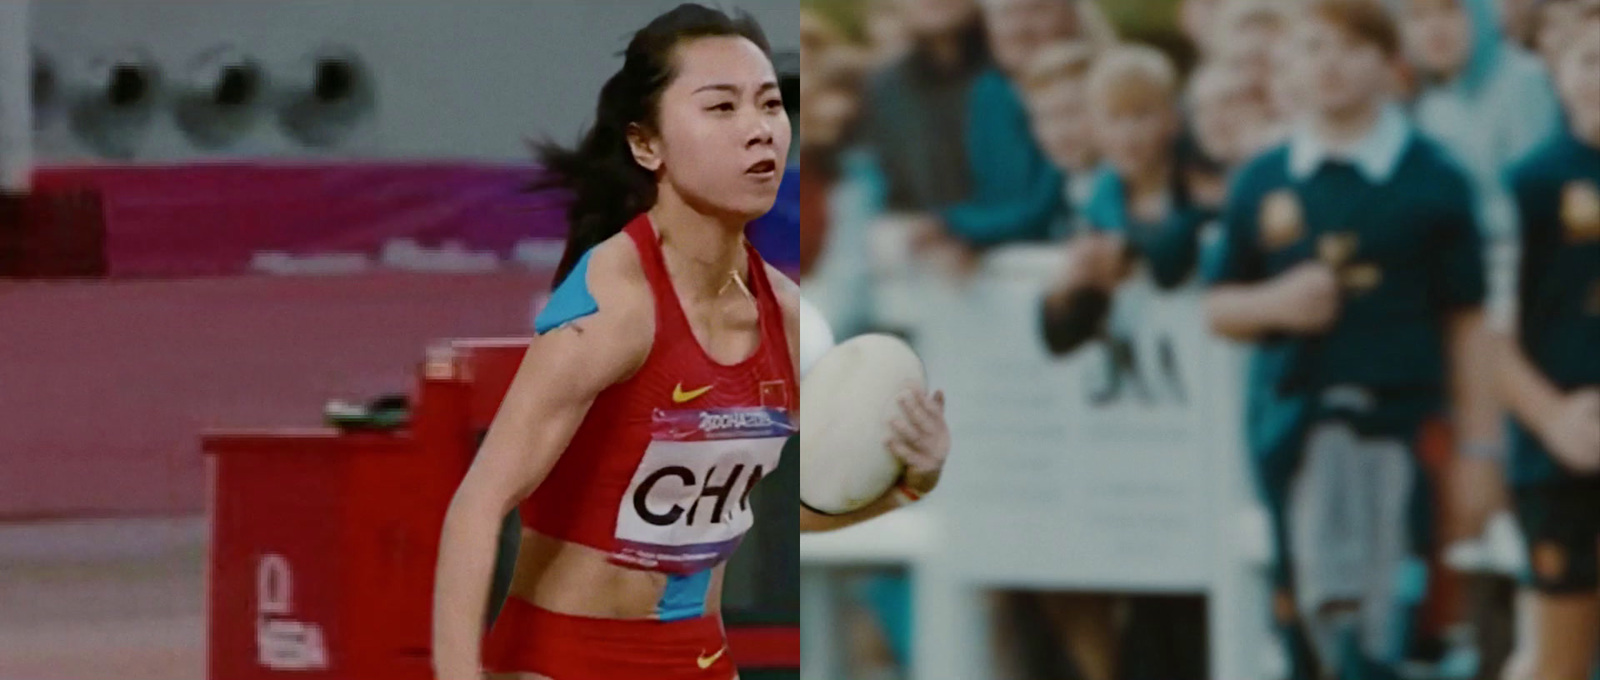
(1015,192)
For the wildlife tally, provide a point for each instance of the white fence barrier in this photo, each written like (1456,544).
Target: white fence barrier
(1081,473)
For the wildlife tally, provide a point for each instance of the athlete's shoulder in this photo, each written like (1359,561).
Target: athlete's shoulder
(1434,174)
(616,261)
(617,276)
(607,279)
(602,315)
(1546,163)
(1270,167)
(1426,156)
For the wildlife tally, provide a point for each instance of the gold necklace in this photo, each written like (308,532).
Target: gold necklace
(734,278)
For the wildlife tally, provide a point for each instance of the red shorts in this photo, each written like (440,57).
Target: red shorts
(565,647)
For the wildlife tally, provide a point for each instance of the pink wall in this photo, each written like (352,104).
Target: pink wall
(105,386)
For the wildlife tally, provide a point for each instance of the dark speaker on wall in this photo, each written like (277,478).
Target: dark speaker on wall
(46,90)
(219,97)
(327,96)
(113,102)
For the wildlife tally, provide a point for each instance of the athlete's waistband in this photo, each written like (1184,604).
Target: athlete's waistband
(527,637)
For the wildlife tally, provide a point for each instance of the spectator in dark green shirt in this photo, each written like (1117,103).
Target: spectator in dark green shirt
(1351,260)
(1550,375)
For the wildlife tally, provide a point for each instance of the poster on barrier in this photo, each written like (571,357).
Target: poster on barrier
(1096,470)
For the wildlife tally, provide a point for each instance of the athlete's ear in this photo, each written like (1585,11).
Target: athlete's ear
(646,147)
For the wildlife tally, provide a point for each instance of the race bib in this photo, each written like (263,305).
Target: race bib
(688,504)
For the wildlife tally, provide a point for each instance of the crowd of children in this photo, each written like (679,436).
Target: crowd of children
(1394,203)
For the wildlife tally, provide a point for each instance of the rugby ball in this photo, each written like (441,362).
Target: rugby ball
(847,401)
(816,337)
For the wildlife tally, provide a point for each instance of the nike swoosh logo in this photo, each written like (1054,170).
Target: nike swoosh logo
(705,661)
(679,396)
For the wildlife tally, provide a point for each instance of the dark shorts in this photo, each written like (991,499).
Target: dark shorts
(1561,524)
(564,647)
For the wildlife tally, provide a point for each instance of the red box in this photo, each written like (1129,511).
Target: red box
(488,367)
(309,558)
(324,544)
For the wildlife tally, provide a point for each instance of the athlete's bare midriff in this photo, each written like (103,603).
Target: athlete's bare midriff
(569,578)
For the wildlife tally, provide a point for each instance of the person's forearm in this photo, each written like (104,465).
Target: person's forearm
(1069,318)
(461,589)
(1520,385)
(812,521)
(1475,411)
(1020,217)
(1238,311)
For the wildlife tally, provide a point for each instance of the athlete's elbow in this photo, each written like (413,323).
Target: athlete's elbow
(474,504)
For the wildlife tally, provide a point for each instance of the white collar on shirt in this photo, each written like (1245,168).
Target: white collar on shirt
(1376,155)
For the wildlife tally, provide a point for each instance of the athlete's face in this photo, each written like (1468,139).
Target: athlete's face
(1342,73)
(1556,28)
(722,132)
(1251,50)
(1135,136)
(935,18)
(1438,34)
(1018,28)
(1061,123)
(1225,111)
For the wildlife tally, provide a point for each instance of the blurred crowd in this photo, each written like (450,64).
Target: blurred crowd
(1263,159)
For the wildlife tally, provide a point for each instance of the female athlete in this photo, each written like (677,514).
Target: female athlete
(659,388)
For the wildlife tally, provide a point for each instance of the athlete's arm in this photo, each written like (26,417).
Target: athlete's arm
(562,373)
(1478,483)
(1301,301)
(1472,377)
(812,521)
(1567,423)
(921,441)
(788,294)
(1526,392)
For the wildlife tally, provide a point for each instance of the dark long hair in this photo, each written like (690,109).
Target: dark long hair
(609,187)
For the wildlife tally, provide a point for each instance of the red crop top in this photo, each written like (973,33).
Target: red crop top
(659,473)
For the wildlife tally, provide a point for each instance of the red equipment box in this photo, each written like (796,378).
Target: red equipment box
(324,543)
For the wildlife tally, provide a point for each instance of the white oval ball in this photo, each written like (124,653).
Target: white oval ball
(816,336)
(847,401)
